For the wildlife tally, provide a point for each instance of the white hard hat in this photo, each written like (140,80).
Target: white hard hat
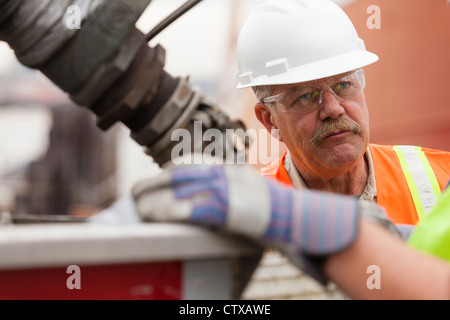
(292,41)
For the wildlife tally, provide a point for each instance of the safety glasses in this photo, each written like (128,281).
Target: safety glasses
(305,98)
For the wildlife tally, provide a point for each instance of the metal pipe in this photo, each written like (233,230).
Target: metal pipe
(108,67)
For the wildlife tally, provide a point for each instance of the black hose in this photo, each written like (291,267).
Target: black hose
(188,5)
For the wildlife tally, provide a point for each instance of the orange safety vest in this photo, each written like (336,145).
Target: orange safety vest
(395,176)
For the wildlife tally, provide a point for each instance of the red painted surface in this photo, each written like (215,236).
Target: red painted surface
(149,281)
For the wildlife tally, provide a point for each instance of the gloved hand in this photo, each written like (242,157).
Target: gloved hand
(306,226)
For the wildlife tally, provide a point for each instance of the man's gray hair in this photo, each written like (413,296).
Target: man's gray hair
(262,92)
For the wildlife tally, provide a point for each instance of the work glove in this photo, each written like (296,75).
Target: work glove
(306,226)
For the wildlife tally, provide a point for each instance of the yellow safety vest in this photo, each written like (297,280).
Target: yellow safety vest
(421,179)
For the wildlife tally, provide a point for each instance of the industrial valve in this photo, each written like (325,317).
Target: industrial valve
(108,67)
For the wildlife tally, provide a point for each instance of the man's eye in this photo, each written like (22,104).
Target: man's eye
(342,86)
(308,96)
(305,97)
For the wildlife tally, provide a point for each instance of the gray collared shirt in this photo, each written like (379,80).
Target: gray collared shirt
(370,190)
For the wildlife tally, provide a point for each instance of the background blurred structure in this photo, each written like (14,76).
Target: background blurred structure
(76,175)
(69,166)
(406,87)
(54,160)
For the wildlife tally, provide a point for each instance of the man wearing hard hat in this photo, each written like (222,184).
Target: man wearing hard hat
(304,60)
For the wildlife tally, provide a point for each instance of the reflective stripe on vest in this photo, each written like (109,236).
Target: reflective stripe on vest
(421,179)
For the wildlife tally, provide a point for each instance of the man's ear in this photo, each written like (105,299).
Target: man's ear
(264,115)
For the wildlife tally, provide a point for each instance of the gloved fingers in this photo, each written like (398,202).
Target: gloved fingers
(233,197)
(190,190)
(209,212)
(324,223)
(162,206)
(405,230)
(195,193)
(192,173)
(180,175)
(191,177)
(159,182)
(249,200)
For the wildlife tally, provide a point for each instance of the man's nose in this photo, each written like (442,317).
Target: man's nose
(329,106)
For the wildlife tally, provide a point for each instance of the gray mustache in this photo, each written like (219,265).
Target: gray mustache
(332,125)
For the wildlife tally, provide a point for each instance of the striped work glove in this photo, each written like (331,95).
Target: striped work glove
(305,226)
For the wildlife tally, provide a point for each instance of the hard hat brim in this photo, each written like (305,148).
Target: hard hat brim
(317,70)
